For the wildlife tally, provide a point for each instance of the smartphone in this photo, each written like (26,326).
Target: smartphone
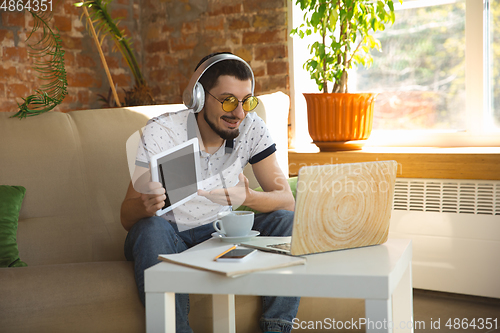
(237,255)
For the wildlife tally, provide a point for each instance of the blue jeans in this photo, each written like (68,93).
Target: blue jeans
(154,235)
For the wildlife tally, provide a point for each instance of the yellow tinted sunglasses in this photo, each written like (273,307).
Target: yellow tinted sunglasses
(230,103)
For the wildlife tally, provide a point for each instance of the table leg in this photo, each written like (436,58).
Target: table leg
(378,314)
(160,312)
(403,303)
(223,313)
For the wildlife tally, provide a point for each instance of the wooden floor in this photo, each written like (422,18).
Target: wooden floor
(440,308)
(432,311)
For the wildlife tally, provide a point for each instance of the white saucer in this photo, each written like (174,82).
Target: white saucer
(252,234)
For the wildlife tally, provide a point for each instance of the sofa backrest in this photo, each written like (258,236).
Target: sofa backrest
(74,167)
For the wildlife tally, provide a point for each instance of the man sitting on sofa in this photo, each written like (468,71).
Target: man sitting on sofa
(230,136)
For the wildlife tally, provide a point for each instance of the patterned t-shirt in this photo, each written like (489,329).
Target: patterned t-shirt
(171,129)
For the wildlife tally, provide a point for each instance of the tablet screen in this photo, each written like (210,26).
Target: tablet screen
(176,170)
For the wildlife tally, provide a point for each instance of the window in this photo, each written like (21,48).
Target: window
(493,54)
(422,74)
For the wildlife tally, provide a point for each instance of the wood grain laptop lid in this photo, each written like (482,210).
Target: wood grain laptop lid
(343,206)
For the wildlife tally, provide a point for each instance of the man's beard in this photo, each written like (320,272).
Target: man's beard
(226,135)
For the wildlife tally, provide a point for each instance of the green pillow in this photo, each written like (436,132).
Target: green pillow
(293,186)
(11,199)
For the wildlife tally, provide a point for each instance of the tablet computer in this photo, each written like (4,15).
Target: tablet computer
(177,169)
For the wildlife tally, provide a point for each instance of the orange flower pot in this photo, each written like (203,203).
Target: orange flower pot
(340,121)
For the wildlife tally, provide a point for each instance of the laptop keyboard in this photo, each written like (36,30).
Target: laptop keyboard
(282,246)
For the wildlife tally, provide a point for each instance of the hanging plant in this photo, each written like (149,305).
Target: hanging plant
(49,62)
(140,94)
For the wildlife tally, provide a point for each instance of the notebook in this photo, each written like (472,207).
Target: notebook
(337,207)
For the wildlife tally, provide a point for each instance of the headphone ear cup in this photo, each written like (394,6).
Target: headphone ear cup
(198,97)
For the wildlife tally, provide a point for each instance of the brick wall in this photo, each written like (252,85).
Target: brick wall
(85,74)
(177,34)
(169,37)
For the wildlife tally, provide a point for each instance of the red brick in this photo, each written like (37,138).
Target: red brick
(112,61)
(152,61)
(14,19)
(270,52)
(277,67)
(8,73)
(264,37)
(259,71)
(34,38)
(65,108)
(63,23)
(259,5)
(2,91)
(161,46)
(168,29)
(214,42)
(85,61)
(269,20)
(155,91)
(190,27)
(239,23)
(151,5)
(69,59)
(169,60)
(122,80)
(57,7)
(71,98)
(187,42)
(9,106)
(124,29)
(121,13)
(18,54)
(84,97)
(271,84)
(137,11)
(169,74)
(213,23)
(244,53)
(18,90)
(6,35)
(154,32)
(70,9)
(71,43)
(225,10)
(83,80)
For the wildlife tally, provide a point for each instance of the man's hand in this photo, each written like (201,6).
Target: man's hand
(153,197)
(234,196)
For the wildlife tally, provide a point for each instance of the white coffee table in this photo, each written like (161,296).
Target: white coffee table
(379,274)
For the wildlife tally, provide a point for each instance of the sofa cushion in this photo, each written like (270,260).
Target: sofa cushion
(84,297)
(11,199)
(75,169)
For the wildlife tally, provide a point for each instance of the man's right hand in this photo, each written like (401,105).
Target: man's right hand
(153,197)
(143,203)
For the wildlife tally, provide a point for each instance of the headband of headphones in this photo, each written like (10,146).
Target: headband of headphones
(194,95)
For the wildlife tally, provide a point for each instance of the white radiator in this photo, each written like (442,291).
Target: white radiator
(455,228)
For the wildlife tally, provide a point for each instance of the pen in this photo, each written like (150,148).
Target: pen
(223,253)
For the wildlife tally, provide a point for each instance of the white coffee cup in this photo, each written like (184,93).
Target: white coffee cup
(234,224)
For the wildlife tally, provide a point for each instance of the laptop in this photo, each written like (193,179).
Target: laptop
(340,206)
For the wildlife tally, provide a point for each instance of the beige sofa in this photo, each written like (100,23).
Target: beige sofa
(74,167)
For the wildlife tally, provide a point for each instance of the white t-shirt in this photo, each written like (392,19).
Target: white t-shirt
(171,129)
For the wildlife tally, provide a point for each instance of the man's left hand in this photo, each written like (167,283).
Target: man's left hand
(235,196)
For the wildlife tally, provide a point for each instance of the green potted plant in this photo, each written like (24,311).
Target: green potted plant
(338,120)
